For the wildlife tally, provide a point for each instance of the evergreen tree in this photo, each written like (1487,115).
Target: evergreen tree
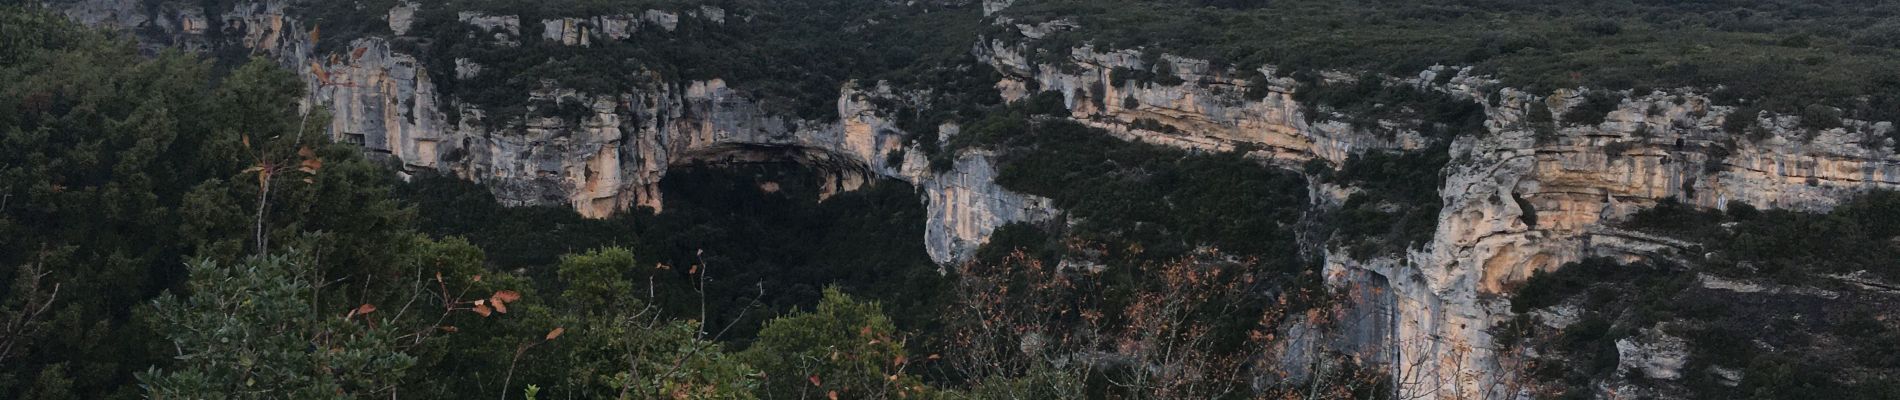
(251,331)
(843,349)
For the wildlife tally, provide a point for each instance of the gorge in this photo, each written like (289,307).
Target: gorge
(1528,181)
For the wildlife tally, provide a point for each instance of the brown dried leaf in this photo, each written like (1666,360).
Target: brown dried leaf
(482,309)
(358,54)
(365,309)
(833,395)
(556,333)
(506,296)
(815,381)
(500,307)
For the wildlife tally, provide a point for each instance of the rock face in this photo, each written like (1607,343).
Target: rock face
(1657,355)
(1445,297)
(612,159)
(966,204)
(585,31)
(1652,147)
(1438,302)
(1210,110)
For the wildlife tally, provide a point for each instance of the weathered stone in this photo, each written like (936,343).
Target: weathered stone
(403,16)
(1657,355)
(506,29)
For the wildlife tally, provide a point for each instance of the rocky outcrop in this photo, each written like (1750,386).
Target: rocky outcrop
(965,204)
(612,158)
(1515,201)
(402,17)
(1651,147)
(586,31)
(505,29)
(1211,110)
(1654,353)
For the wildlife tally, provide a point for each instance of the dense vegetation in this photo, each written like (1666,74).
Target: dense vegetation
(119,168)
(1151,233)
(125,170)
(1814,332)
(1169,201)
(762,253)
(1784,344)
(1396,205)
(1787,246)
(1781,55)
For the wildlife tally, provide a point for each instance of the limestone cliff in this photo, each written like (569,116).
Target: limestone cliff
(1516,200)
(1445,297)
(1211,110)
(1653,146)
(609,160)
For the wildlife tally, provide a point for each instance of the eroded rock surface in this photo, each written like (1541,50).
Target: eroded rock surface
(1572,184)
(610,160)
(1443,298)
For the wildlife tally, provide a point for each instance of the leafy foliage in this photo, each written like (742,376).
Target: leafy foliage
(1397,205)
(120,167)
(1368,100)
(1787,246)
(842,348)
(1191,331)
(1809,330)
(249,331)
(1167,201)
(760,253)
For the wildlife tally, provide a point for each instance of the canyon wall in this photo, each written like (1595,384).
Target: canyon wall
(609,160)
(1433,330)
(1573,184)
(1515,200)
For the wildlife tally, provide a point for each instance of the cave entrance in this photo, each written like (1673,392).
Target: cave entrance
(749,220)
(837,174)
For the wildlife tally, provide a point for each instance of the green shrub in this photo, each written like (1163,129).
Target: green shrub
(1150,124)
(1760,53)
(1820,117)
(1397,207)
(1595,106)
